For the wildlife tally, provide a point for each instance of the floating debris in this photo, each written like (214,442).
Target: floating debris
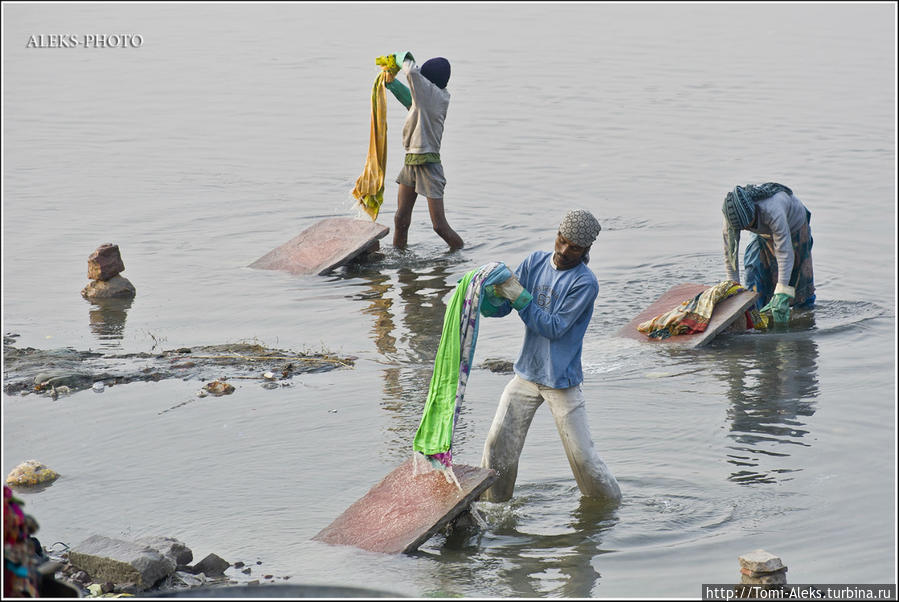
(98,386)
(30,370)
(219,388)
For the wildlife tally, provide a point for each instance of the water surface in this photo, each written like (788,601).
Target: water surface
(235,126)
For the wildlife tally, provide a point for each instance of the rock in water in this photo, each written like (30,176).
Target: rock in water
(115,287)
(168,547)
(219,388)
(31,474)
(211,566)
(105,262)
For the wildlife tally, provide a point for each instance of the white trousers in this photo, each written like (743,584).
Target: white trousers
(519,402)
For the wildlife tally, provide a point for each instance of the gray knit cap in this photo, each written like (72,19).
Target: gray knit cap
(579,227)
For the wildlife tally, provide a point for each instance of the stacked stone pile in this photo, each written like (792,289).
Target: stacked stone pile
(762,568)
(104,268)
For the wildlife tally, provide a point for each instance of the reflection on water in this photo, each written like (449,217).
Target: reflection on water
(772,383)
(533,546)
(551,560)
(408,314)
(107,318)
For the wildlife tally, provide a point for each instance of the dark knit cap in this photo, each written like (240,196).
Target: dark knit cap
(437,70)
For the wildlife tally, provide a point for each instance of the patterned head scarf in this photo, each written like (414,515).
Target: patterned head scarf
(579,227)
(739,204)
(738,208)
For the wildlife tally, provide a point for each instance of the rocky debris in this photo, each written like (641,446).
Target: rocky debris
(103,268)
(762,568)
(121,562)
(169,547)
(114,571)
(30,370)
(31,474)
(219,388)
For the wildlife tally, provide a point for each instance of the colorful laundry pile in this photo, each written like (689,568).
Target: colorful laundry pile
(692,315)
(19,558)
(452,365)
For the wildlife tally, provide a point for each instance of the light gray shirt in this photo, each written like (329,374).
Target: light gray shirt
(423,129)
(778,216)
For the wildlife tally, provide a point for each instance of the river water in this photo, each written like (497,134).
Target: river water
(234,126)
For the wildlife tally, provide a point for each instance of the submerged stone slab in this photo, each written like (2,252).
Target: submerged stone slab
(404,510)
(323,246)
(117,561)
(726,313)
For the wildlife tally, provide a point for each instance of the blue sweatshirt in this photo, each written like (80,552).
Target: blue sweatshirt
(556,320)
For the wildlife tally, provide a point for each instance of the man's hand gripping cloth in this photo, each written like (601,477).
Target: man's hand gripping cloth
(692,315)
(369,190)
(452,365)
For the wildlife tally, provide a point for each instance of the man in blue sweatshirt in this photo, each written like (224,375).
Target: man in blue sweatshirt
(554,295)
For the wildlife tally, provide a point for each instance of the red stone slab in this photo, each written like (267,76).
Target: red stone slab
(403,511)
(323,246)
(725,313)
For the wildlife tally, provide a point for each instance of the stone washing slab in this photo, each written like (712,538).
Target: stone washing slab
(403,511)
(726,313)
(325,245)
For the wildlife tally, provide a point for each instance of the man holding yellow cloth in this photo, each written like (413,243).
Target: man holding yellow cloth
(427,100)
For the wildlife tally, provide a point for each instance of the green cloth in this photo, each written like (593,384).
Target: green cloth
(422,159)
(435,432)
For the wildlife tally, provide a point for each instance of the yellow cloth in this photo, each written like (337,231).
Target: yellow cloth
(692,315)
(369,190)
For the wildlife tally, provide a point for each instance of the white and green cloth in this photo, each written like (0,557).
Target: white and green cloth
(452,365)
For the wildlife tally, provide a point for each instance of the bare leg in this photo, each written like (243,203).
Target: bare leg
(405,201)
(441,226)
